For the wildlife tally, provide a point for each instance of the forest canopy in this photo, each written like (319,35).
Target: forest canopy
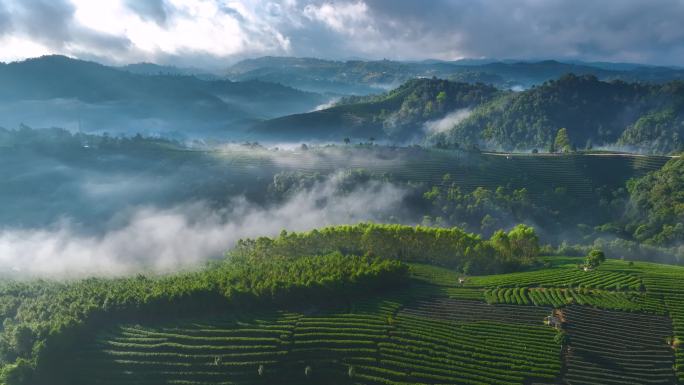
(656,212)
(42,318)
(647,117)
(450,247)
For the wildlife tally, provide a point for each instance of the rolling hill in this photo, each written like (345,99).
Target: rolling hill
(641,117)
(618,324)
(58,91)
(397,115)
(595,113)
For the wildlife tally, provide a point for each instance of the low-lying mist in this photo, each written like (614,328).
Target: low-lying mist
(330,103)
(76,205)
(124,118)
(148,238)
(446,123)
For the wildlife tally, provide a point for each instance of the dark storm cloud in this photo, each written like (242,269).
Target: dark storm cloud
(648,31)
(610,30)
(149,9)
(51,24)
(47,21)
(5,19)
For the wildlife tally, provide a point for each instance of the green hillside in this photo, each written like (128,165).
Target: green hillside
(396,115)
(333,343)
(644,116)
(270,313)
(641,116)
(434,332)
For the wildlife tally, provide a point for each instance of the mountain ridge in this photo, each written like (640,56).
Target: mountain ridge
(92,91)
(369,76)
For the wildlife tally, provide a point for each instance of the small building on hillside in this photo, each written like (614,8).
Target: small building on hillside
(552,321)
(461,281)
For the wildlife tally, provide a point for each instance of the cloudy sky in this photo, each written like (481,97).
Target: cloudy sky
(216,32)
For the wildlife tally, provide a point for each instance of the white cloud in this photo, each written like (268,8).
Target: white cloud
(163,240)
(447,122)
(330,103)
(114,31)
(18,48)
(192,26)
(204,32)
(347,18)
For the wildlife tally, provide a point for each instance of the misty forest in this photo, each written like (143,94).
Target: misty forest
(335,193)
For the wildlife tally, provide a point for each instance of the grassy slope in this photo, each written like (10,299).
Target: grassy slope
(438,331)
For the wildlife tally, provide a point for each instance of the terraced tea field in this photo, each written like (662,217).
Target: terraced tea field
(204,352)
(613,275)
(438,331)
(373,344)
(580,174)
(666,282)
(609,347)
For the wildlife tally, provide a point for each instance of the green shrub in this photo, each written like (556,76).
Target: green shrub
(594,258)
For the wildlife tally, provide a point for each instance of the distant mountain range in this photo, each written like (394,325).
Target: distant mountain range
(490,104)
(364,77)
(59,91)
(157,69)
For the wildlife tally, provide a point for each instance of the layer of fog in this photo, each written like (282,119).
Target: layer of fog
(326,105)
(117,118)
(317,156)
(48,178)
(645,149)
(446,123)
(161,240)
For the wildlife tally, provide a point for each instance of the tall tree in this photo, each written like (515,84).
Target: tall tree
(562,142)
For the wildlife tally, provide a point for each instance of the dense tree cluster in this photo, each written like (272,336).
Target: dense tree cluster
(656,211)
(594,258)
(554,210)
(450,247)
(606,217)
(41,319)
(481,210)
(645,116)
(60,142)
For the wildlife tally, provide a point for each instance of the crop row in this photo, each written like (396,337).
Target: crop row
(472,311)
(559,297)
(609,347)
(377,343)
(562,277)
(426,347)
(666,282)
